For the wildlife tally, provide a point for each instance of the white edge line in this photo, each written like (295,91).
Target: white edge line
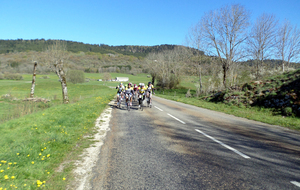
(158,108)
(296,183)
(176,119)
(226,146)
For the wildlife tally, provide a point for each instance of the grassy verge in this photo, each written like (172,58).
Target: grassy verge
(253,113)
(33,146)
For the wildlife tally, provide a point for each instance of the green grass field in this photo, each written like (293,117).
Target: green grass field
(37,137)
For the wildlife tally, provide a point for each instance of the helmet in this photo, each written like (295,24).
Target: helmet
(130,84)
(121,84)
(149,83)
(142,84)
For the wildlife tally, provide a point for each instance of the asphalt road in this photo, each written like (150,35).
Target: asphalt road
(178,146)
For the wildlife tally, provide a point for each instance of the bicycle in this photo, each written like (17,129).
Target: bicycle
(120,100)
(141,104)
(128,102)
(149,104)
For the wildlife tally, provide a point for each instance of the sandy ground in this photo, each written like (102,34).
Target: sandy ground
(90,155)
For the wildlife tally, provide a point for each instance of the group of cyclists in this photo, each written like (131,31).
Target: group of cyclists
(135,92)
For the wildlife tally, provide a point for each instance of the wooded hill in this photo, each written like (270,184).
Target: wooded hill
(20,45)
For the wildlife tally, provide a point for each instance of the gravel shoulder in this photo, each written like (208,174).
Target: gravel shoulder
(90,155)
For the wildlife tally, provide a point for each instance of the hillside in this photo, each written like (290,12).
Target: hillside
(20,45)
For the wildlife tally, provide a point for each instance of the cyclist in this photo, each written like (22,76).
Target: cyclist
(141,91)
(150,90)
(119,92)
(135,90)
(129,92)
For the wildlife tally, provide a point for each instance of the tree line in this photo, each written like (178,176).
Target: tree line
(20,45)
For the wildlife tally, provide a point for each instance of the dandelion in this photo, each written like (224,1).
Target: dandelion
(40,154)
(3,161)
(28,155)
(9,163)
(6,177)
(48,155)
(15,163)
(32,162)
(42,150)
(25,185)
(8,168)
(13,177)
(64,178)
(18,154)
(0,164)
(45,148)
(1,171)
(48,172)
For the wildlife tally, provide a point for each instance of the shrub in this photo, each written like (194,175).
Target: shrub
(287,111)
(75,76)
(13,76)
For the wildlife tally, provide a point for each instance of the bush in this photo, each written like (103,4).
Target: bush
(75,76)
(13,76)
(287,111)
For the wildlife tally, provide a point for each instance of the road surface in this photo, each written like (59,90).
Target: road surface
(178,146)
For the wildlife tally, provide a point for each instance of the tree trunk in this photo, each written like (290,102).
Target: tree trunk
(61,75)
(153,79)
(282,65)
(200,80)
(33,80)
(224,75)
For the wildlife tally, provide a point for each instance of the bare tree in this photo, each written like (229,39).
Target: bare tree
(195,40)
(288,43)
(224,32)
(261,39)
(56,54)
(168,65)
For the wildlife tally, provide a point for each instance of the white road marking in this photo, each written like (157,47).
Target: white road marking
(296,183)
(158,108)
(176,119)
(230,148)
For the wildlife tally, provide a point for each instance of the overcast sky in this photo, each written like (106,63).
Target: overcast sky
(120,22)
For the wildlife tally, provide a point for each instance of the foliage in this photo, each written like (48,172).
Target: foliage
(75,76)
(12,76)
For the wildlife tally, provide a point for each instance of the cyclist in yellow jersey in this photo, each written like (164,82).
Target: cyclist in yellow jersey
(141,91)
(129,91)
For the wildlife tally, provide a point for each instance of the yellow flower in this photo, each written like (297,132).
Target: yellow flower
(32,162)
(42,150)
(48,172)
(48,155)
(45,148)
(6,177)
(9,163)
(64,178)
(42,159)
(44,181)
(12,177)
(18,154)
(1,171)
(40,154)
(28,155)
(25,185)
(8,168)
(15,163)
(38,182)
(0,164)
